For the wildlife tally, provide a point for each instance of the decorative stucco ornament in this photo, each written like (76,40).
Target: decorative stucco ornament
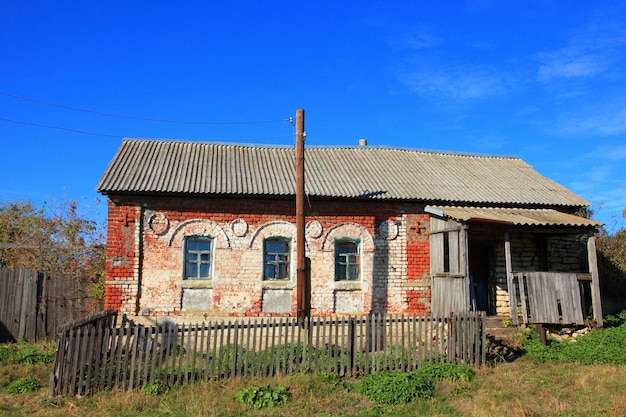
(314,229)
(388,229)
(239,227)
(159,223)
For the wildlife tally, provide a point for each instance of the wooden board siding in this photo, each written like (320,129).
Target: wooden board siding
(552,298)
(450,282)
(34,305)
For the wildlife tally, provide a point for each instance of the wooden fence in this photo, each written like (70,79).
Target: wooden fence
(90,359)
(34,305)
(549,297)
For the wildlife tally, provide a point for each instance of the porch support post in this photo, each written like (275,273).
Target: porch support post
(464,264)
(509,279)
(595,278)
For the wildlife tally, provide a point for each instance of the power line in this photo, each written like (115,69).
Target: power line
(145,119)
(67,129)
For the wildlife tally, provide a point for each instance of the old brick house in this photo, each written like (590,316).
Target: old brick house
(206,228)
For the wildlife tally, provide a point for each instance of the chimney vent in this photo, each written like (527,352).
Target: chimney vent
(362,142)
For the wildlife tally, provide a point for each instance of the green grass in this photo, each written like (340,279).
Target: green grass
(555,387)
(607,345)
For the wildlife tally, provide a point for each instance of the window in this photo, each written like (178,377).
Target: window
(346,261)
(276,255)
(198,258)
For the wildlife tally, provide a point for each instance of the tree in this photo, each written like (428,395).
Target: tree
(57,240)
(612,265)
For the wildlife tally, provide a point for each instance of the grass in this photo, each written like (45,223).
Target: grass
(520,388)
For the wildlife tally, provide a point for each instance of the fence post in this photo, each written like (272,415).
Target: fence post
(351,345)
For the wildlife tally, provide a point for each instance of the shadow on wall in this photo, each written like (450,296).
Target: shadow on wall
(5,335)
(380,279)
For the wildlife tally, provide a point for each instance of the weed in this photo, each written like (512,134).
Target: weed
(445,370)
(329,378)
(395,387)
(258,397)
(153,389)
(23,385)
(596,347)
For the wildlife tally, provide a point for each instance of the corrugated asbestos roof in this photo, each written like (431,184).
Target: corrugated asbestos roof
(167,166)
(514,216)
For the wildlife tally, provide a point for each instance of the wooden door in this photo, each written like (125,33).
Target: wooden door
(448,267)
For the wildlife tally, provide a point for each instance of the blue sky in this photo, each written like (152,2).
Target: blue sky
(540,80)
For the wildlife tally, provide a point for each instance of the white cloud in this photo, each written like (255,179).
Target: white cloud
(590,51)
(461,82)
(610,120)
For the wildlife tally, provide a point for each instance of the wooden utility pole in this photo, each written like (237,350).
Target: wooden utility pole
(303,286)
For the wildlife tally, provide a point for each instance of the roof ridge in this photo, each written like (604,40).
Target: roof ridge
(324,147)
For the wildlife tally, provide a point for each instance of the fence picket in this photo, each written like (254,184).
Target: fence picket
(97,356)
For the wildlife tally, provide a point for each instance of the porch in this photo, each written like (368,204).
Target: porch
(532,266)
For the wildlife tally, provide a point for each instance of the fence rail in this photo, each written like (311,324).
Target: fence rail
(94,358)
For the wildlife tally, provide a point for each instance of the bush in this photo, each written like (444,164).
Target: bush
(394,387)
(23,385)
(258,397)
(153,389)
(445,370)
(599,346)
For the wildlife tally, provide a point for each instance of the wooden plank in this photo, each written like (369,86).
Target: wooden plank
(185,377)
(134,343)
(436,254)
(509,279)
(194,371)
(453,253)
(91,348)
(592,260)
(179,377)
(73,382)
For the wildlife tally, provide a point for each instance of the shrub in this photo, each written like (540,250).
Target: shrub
(258,397)
(153,389)
(615,320)
(599,346)
(445,370)
(23,385)
(393,387)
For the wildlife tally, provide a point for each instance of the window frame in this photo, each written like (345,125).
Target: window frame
(198,262)
(277,263)
(347,265)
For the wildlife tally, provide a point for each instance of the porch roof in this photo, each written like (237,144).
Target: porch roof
(513,216)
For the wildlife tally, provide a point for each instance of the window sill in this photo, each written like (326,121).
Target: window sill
(347,285)
(196,283)
(276,284)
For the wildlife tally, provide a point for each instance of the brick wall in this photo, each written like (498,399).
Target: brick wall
(145,256)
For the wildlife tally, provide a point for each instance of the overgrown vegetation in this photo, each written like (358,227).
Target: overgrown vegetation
(263,397)
(153,389)
(57,238)
(396,387)
(402,387)
(607,345)
(23,385)
(508,389)
(23,352)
